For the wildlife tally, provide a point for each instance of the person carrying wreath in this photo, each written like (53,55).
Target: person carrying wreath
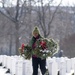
(36,61)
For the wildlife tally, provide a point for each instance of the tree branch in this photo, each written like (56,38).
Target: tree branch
(49,24)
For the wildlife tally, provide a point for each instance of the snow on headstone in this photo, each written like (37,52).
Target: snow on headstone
(52,67)
(14,63)
(62,68)
(19,68)
(1,58)
(68,65)
(72,63)
(9,62)
(5,61)
(27,66)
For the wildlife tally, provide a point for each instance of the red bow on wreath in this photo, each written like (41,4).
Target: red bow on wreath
(22,48)
(43,44)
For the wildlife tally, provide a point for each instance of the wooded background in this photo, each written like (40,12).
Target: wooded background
(17,22)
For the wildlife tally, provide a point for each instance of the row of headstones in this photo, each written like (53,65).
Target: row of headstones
(16,64)
(19,66)
(61,66)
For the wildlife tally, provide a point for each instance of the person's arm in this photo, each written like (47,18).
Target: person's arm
(31,42)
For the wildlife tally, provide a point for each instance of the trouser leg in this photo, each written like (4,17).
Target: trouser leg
(43,66)
(35,66)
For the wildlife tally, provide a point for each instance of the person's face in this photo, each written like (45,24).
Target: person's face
(35,34)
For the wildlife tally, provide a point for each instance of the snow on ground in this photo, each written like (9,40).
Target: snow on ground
(3,71)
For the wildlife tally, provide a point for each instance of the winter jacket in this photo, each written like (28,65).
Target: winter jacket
(32,43)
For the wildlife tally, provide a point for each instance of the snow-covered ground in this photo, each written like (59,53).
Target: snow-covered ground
(3,71)
(17,65)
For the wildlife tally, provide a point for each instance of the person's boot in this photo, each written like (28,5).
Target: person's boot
(46,73)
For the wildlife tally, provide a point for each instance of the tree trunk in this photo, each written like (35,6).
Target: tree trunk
(17,38)
(10,45)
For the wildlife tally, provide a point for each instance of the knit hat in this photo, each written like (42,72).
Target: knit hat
(36,30)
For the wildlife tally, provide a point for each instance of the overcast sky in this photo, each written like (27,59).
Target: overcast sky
(64,2)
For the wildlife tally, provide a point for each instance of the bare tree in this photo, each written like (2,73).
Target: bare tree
(14,16)
(18,12)
(73,16)
(45,15)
